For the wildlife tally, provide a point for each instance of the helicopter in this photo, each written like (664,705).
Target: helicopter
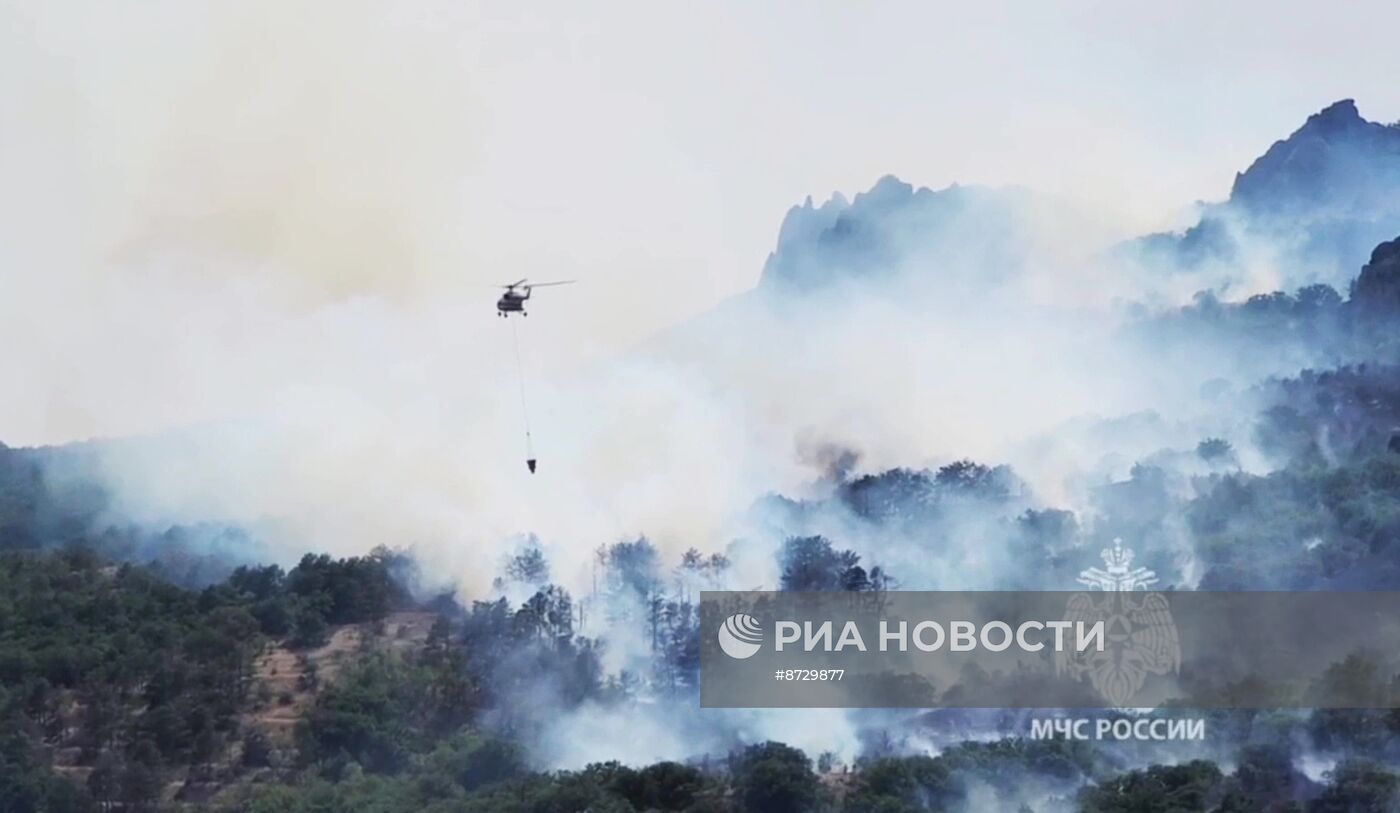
(513,300)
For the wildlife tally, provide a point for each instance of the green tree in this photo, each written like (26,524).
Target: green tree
(1185,788)
(775,778)
(1358,786)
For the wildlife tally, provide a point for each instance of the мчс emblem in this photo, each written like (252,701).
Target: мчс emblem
(1140,635)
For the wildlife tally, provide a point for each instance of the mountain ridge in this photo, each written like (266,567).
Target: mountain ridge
(1315,203)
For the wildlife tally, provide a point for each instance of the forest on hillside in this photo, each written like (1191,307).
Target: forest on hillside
(157,654)
(131,685)
(138,667)
(122,691)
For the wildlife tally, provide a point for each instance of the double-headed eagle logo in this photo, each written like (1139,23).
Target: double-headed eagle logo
(1140,635)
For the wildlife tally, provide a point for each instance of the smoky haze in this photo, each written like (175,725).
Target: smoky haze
(247,240)
(250,244)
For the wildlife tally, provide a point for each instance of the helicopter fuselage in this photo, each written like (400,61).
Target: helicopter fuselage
(512,302)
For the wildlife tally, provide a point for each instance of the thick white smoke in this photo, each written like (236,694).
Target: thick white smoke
(239,240)
(245,229)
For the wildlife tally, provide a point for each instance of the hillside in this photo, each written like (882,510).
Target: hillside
(148,667)
(1316,203)
(329,687)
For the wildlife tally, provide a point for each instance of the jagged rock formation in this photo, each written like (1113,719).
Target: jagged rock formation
(1377,289)
(891,227)
(1314,204)
(1337,161)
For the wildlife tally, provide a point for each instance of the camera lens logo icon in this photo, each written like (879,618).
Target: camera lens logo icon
(740,636)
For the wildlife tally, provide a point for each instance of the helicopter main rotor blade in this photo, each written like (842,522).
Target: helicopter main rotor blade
(547,284)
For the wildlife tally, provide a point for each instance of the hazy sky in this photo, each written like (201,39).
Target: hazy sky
(657,145)
(668,139)
(182,168)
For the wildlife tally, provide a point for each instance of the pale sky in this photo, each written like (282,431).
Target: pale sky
(188,168)
(666,140)
(656,146)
